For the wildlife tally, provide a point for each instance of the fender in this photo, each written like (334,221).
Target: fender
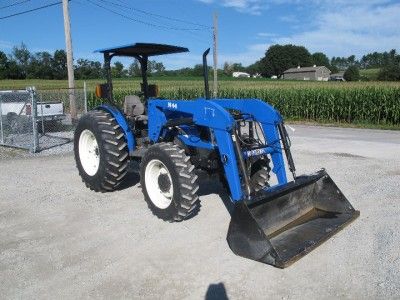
(121,120)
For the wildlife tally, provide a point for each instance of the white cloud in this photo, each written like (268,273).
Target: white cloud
(342,28)
(253,7)
(266,34)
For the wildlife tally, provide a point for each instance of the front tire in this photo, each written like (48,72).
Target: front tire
(101,153)
(168,182)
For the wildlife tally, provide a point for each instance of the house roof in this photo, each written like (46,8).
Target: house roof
(304,69)
(147,49)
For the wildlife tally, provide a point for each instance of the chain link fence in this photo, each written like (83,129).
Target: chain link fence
(40,119)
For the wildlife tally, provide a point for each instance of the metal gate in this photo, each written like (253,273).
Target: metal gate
(18,124)
(37,120)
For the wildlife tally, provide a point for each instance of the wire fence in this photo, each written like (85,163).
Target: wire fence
(40,119)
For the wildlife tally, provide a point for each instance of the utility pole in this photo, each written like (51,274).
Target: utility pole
(70,61)
(215,55)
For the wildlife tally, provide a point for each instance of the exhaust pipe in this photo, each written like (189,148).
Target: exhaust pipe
(205,74)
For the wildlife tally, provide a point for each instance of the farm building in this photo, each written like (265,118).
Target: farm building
(319,73)
(240,75)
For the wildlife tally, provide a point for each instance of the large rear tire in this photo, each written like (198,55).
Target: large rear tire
(168,182)
(100,150)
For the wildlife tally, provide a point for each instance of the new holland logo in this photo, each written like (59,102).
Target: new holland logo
(255,152)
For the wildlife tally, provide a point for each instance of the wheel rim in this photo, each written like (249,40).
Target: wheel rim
(89,154)
(157,178)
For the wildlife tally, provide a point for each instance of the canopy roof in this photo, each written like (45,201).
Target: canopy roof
(143,49)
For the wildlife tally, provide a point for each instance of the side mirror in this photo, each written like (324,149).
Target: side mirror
(102,90)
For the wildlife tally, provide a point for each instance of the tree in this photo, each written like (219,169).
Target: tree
(40,66)
(228,69)
(14,70)
(134,69)
(118,71)
(352,74)
(320,59)
(3,65)
(342,63)
(87,69)
(390,73)
(159,68)
(279,58)
(255,68)
(333,69)
(59,65)
(154,67)
(22,57)
(351,60)
(198,70)
(238,67)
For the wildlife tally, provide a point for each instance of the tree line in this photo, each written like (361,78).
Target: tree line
(22,64)
(279,58)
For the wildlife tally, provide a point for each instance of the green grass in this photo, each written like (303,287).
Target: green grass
(371,74)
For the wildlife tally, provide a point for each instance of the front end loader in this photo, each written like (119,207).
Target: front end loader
(243,142)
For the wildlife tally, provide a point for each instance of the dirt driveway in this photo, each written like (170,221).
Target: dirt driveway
(60,240)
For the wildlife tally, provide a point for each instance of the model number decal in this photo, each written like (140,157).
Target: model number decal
(172,105)
(208,111)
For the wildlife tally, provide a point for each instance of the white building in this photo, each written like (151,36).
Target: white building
(240,75)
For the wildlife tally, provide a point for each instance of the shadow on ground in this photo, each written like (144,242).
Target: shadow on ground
(216,291)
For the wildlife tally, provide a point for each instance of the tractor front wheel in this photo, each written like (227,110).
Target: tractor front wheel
(168,182)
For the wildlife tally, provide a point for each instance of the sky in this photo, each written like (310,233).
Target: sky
(246,27)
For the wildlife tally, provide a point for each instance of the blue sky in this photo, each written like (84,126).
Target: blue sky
(246,27)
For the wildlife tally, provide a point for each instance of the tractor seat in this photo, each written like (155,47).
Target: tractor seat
(134,108)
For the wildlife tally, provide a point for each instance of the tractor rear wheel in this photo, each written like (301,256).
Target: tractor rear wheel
(168,182)
(101,153)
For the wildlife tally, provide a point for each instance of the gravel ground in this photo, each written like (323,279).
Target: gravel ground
(49,144)
(60,240)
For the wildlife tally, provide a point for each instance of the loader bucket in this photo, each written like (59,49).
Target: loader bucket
(282,225)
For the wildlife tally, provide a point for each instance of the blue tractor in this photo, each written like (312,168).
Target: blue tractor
(242,142)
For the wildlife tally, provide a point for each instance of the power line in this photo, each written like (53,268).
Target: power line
(31,10)
(141,21)
(14,4)
(193,35)
(156,15)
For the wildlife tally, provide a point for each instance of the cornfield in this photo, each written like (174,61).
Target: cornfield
(372,103)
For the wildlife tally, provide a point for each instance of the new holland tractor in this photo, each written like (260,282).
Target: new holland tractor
(243,142)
